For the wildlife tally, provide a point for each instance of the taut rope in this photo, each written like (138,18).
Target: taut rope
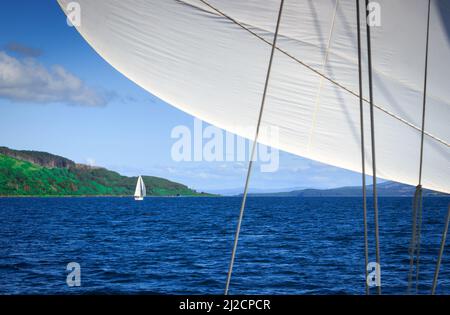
(372,133)
(363,155)
(414,249)
(250,164)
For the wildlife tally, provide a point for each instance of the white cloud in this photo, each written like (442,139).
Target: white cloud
(26,80)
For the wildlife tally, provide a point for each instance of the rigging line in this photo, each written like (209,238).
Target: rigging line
(413,242)
(317,103)
(363,154)
(418,208)
(387,112)
(441,252)
(419,231)
(250,164)
(424,93)
(372,134)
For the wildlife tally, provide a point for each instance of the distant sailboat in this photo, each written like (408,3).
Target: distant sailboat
(140,191)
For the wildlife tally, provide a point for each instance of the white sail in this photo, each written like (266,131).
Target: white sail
(140,191)
(143,189)
(211,60)
(137,191)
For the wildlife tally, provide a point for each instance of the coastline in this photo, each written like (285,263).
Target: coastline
(103,196)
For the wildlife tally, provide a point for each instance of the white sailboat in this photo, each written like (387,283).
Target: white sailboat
(140,191)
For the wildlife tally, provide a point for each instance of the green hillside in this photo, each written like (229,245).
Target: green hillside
(23,178)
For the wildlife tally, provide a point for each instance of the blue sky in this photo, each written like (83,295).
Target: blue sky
(92,113)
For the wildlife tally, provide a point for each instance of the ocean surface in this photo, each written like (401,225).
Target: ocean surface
(183,245)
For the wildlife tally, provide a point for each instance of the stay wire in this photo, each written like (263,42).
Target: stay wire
(363,154)
(250,164)
(374,167)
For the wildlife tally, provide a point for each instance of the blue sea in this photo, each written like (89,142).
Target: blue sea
(183,245)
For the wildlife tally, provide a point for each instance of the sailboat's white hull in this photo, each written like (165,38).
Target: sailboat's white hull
(138,198)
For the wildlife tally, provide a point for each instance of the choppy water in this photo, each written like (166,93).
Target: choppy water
(183,245)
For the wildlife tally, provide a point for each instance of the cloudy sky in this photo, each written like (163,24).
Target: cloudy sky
(57,95)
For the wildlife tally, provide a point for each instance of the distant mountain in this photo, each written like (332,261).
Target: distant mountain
(386,189)
(34,173)
(237,191)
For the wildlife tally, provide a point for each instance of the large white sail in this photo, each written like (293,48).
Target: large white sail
(209,58)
